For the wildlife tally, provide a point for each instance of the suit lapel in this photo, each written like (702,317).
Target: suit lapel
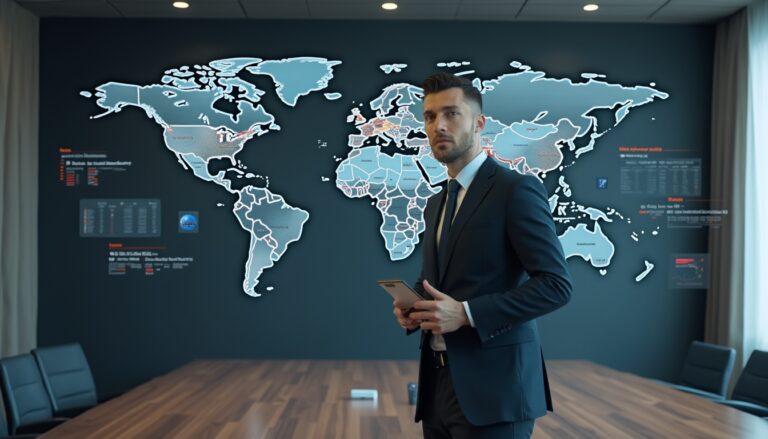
(477,190)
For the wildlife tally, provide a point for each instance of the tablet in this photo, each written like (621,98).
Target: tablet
(401,291)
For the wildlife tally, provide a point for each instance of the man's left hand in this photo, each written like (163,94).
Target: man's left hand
(442,315)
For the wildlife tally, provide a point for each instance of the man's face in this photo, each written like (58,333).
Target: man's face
(453,125)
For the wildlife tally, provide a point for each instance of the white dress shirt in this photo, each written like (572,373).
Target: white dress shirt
(465,177)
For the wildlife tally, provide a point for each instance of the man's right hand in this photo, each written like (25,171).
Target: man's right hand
(404,321)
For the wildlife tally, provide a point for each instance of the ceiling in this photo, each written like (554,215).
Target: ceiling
(635,11)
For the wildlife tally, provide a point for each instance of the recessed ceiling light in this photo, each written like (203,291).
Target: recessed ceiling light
(591,7)
(389,6)
(181,5)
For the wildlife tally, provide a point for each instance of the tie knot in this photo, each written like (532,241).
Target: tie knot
(453,186)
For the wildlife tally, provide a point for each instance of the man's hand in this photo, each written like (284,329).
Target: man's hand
(442,315)
(404,318)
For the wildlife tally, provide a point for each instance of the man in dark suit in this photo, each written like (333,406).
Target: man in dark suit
(492,264)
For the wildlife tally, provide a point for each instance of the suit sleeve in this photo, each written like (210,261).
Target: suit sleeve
(531,234)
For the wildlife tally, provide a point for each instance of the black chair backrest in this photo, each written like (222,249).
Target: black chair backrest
(26,400)
(752,385)
(67,377)
(708,367)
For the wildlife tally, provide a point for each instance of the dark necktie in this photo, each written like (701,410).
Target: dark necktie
(450,211)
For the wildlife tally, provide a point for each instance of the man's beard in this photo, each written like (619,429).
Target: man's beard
(463,145)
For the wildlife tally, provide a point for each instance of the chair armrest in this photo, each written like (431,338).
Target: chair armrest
(42,426)
(755,409)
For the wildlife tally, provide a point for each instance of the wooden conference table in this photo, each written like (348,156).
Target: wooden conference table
(310,399)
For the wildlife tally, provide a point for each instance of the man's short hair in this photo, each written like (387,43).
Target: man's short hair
(440,81)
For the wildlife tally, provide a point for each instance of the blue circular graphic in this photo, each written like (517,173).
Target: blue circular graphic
(188,222)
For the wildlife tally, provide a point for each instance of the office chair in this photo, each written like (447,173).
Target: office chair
(4,430)
(67,378)
(751,392)
(26,402)
(706,371)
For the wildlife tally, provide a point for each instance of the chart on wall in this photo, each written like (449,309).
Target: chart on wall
(208,113)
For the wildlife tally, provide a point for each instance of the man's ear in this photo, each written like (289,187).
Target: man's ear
(479,123)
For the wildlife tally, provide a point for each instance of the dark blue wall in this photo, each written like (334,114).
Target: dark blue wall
(326,303)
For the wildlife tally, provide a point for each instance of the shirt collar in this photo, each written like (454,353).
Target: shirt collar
(467,174)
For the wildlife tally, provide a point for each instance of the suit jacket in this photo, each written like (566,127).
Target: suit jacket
(504,259)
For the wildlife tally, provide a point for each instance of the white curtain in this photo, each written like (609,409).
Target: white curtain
(724,323)
(756,190)
(19,73)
